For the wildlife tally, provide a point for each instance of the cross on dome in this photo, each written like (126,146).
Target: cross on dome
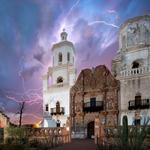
(63,35)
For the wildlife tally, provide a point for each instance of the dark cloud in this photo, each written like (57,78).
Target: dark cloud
(29,27)
(39,55)
(29,71)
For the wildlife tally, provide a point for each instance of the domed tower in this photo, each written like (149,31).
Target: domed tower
(56,98)
(132,67)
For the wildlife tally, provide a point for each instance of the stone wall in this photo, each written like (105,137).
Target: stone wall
(50,136)
(98,83)
(4,120)
(111,135)
(55,135)
(134,48)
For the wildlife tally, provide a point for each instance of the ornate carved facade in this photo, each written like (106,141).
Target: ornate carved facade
(95,94)
(131,66)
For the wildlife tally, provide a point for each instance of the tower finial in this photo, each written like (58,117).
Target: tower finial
(63,35)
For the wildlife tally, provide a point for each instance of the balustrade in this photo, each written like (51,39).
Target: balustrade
(135,71)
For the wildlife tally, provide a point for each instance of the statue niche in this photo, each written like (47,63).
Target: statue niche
(133,32)
(123,41)
(144,33)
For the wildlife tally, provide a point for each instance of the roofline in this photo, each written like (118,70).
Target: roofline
(131,20)
(62,43)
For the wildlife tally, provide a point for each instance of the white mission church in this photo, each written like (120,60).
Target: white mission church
(131,67)
(56,98)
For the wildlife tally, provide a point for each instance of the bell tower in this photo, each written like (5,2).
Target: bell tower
(63,69)
(63,76)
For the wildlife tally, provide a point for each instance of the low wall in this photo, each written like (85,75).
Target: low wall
(110,135)
(52,135)
(47,136)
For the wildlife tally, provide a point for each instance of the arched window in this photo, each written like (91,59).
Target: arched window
(57,107)
(68,57)
(60,57)
(58,123)
(138,100)
(59,80)
(46,107)
(135,64)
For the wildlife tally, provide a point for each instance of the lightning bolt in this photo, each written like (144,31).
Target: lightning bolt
(103,22)
(64,24)
(31,97)
(73,7)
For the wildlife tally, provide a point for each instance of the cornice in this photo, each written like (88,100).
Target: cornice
(131,20)
(62,43)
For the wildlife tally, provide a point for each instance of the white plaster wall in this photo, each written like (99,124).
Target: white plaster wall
(129,88)
(63,72)
(60,92)
(64,50)
(45,84)
(144,114)
(137,39)
(72,79)
(62,118)
(63,96)
(132,56)
(48,122)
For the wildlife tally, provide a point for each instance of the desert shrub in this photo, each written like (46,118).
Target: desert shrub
(133,137)
(17,135)
(129,138)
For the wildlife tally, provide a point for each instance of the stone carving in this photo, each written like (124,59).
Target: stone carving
(100,78)
(97,83)
(135,33)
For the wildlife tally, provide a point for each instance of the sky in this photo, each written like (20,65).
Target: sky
(29,28)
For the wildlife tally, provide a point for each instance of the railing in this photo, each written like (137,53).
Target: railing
(60,111)
(139,104)
(95,108)
(135,71)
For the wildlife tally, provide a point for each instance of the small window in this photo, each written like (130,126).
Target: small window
(138,99)
(59,80)
(46,107)
(60,57)
(68,57)
(137,121)
(58,123)
(57,107)
(135,64)
(93,102)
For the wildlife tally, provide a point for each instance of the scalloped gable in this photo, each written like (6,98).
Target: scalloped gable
(98,78)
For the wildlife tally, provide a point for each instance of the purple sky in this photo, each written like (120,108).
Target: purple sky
(28,29)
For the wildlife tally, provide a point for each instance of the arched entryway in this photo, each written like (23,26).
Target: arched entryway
(90,129)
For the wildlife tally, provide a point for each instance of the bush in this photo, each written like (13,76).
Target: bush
(127,138)
(17,135)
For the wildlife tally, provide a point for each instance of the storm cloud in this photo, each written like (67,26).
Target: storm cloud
(29,28)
